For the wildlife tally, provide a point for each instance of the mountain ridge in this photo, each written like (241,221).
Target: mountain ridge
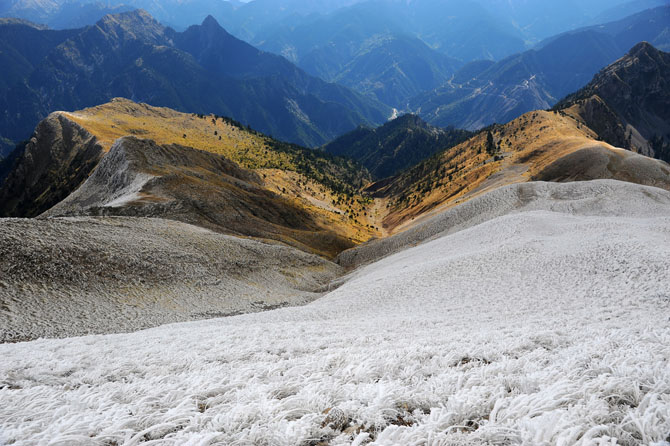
(131,55)
(303,197)
(395,146)
(538,78)
(606,104)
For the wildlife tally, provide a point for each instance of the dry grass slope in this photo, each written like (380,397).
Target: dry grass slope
(541,145)
(323,186)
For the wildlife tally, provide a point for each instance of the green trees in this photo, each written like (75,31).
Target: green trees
(491,147)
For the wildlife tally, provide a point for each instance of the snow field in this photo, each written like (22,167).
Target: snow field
(536,328)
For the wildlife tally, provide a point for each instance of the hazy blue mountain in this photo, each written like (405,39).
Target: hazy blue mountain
(71,15)
(623,10)
(322,45)
(538,78)
(394,68)
(463,30)
(396,145)
(541,19)
(61,14)
(247,18)
(533,20)
(201,70)
(22,46)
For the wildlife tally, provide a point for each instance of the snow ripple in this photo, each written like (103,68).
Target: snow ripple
(536,328)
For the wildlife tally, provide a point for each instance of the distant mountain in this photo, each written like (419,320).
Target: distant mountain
(628,103)
(22,46)
(396,145)
(323,45)
(394,68)
(64,14)
(512,21)
(538,78)
(72,14)
(202,70)
(625,9)
(246,17)
(541,19)
(463,30)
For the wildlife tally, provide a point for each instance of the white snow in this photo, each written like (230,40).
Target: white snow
(535,328)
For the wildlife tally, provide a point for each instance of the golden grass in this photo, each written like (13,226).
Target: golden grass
(121,117)
(528,144)
(278,169)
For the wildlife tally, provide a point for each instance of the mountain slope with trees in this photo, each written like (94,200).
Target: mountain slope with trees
(200,169)
(606,104)
(395,146)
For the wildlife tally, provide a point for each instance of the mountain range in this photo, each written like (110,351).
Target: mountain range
(387,281)
(518,20)
(407,167)
(538,78)
(203,69)
(356,47)
(224,216)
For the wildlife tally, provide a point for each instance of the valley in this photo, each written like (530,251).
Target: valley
(387,223)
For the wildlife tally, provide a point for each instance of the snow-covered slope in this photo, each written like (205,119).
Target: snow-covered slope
(533,328)
(600,197)
(64,277)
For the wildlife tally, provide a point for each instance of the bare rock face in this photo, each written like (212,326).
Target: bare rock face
(139,178)
(55,161)
(628,102)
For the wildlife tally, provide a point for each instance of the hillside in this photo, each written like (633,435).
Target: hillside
(22,46)
(303,197)
(132,55)
(538,146)
(606,104)
(545,326)
(538,78)
(111,275)
(395,146)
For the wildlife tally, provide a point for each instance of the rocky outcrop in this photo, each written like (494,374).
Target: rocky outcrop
(59,156)
(628,102)
(139,178)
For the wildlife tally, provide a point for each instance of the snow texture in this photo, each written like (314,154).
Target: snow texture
(64,277)
(534,328)
(599,197)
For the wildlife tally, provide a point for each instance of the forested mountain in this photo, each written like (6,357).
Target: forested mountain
(396,145)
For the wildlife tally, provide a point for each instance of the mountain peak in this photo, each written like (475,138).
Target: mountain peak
(642,47)
(210,22)
(132,25)
(136,15)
